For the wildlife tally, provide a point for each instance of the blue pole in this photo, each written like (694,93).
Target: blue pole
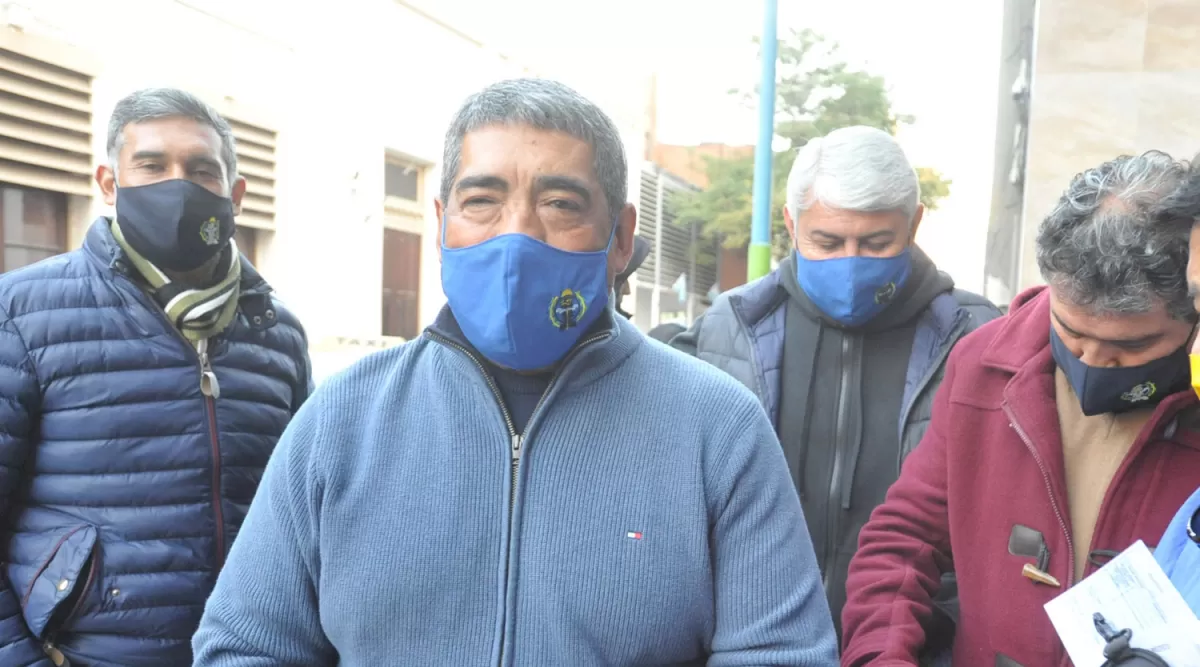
(758,261)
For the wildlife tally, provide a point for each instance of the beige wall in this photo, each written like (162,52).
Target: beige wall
(1110,77)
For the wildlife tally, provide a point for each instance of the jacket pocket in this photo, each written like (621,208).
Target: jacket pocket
(60,584)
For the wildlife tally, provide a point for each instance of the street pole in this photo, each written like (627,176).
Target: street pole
(758,261)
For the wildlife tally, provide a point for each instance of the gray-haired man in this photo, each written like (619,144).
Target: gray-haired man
(845,342)
(144,381)
(469,499)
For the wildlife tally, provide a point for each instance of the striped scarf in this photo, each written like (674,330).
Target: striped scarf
(198,314)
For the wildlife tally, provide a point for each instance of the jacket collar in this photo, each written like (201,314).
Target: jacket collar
(620,339)
(1024,334)
(100,245)
(254,300)
(755,300)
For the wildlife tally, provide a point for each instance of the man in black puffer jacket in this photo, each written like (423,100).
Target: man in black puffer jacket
(845,343)
(144,381)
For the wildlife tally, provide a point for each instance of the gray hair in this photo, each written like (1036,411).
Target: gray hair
(1117,241)
(855,168)
(544,105)
(154,103)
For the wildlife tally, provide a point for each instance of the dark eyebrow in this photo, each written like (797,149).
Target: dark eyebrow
(874,236)
(148,155)
(1141,340)
(827,235)
(203,161)
(481,182)
(886,233)
(566,184)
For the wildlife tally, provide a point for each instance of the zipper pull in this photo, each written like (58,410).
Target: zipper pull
(56,656)
(208,378)
(516,447)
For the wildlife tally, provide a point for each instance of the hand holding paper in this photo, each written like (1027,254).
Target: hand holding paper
(1132,592)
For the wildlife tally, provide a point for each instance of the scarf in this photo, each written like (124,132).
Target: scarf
(198,314)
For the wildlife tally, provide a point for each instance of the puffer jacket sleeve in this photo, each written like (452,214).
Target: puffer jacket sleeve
(18,404)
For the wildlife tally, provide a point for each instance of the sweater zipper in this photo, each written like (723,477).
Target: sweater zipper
(834,509)
(210,388)
(1041,464)
(516,446)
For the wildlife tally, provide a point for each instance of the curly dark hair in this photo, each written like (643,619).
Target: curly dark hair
(1117,241)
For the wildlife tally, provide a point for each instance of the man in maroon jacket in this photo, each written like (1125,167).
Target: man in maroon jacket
(1062,433)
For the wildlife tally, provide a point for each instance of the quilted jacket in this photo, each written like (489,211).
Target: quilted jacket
(122,486)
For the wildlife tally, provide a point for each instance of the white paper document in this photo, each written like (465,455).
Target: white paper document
(1133,592)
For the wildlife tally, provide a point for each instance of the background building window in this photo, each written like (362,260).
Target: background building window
(402,181)
(247,242)
(401,283)
(33,225)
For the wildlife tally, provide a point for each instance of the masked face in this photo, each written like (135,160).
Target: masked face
(852,264)
(529,249)
(175,202)
(1118,363)
(176,225)
(522,303)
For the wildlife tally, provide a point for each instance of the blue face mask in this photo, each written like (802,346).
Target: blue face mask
(853,290)
(1113,390)
(521,303)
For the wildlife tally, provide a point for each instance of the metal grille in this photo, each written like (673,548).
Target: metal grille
(683,249)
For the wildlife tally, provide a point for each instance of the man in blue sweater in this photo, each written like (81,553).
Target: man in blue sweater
(469,499)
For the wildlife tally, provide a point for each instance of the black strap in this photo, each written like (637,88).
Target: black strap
(1117,650)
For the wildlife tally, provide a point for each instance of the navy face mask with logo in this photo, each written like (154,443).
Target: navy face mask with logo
(853,290)
(1114,390)
(522,303)
(175,225)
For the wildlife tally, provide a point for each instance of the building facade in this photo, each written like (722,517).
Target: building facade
(339,114)
(1083,81)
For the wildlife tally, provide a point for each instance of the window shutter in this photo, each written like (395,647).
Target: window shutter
(256,163)
(45,116)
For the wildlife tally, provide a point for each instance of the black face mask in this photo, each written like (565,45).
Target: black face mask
(176,225)
(1115,390)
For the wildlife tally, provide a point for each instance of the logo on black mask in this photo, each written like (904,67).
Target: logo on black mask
(567,309)
(885,294)
(210,231)
(1142,392)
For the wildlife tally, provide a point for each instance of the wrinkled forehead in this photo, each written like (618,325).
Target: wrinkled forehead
(171,136)
(828,221)
(521,152)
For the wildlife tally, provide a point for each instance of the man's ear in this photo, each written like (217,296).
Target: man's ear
(236,193)
(790,224)
(916,223)
(622,250)
(439,210)
(107,180)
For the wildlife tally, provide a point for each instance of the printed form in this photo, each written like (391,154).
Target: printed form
(1133,592)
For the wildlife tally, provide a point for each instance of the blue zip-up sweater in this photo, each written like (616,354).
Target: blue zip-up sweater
(121,485)
(1179,555)
(644,517)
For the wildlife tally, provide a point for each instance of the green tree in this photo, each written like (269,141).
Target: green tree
(816,93)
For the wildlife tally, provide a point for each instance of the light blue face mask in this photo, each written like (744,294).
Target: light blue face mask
(853,290)
(521,303)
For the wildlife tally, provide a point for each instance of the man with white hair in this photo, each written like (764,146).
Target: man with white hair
(850,333)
